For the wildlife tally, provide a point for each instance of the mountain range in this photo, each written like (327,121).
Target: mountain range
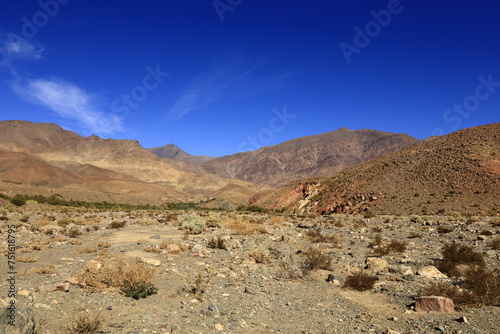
(339,171)
(456,172)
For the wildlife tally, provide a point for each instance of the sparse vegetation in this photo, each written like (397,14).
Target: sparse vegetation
(360,281)
(316,259)
(85,323)
(192,223)
(455,254)
(121,273)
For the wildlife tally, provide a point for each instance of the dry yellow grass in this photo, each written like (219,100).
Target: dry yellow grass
(85,323)
(244,228)
(26,259)
(152,249)
(45,270)
(114,272)
(87,250)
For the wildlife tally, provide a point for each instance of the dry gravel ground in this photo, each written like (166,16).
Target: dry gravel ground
(212,290)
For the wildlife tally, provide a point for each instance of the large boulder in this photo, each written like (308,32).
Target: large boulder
(434,303)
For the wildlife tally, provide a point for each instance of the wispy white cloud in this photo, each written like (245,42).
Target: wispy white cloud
(71,102)
(231,75)
(65,99)
(17,48)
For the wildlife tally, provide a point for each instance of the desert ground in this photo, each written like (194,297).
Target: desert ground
(241,272)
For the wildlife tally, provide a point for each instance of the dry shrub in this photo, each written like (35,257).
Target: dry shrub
(75,242)
(152,249)
(448,290)
(217,243)
(338,224)
(393,246)
(277,220)
(455,254)
(198,287)
(72,232)
(414,235)
(495,244)
(292,267)
(316,259)
(44,270)
(26,259)
(192,223)
(486,232)
(360,281)
(244,228)
(318,237)
(104,244)
(87,250)
(117,224)
(260,254)
(115,272)
(63,222)
(85,323)
(443,229)
(484,285)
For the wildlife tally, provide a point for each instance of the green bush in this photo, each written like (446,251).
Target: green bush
(192,224)
(18,201)
(138,290)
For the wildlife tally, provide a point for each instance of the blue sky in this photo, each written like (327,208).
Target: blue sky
(218,77)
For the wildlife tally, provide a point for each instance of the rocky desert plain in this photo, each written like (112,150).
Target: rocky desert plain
(361,232)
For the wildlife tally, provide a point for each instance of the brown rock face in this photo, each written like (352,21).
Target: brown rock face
(434,303)
(450,173)
(304,157)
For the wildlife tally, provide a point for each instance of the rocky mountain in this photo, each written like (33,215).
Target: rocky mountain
(304,157)
(173,152)
(124,164)
(456,172)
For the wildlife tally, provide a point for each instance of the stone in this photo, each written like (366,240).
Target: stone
(93,266)
(25,293)
(24,321)
(173,249)
(376,264)
(153,262)
(390,331)
(219,327)
(72,280)
(54,287)
(463,320)
(431,272)
(434,303)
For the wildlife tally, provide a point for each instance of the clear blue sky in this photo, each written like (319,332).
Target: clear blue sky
(218,77)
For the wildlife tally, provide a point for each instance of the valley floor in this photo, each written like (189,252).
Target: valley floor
(244,273)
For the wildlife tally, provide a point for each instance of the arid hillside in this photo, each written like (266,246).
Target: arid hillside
(310,156)
(456,172)
(57,158)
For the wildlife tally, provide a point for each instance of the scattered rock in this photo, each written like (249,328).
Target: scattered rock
(463,320)
(431,272)
(173,249)
(434,303)
(376,264)
(54,287)
(153,262)
(390,331)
